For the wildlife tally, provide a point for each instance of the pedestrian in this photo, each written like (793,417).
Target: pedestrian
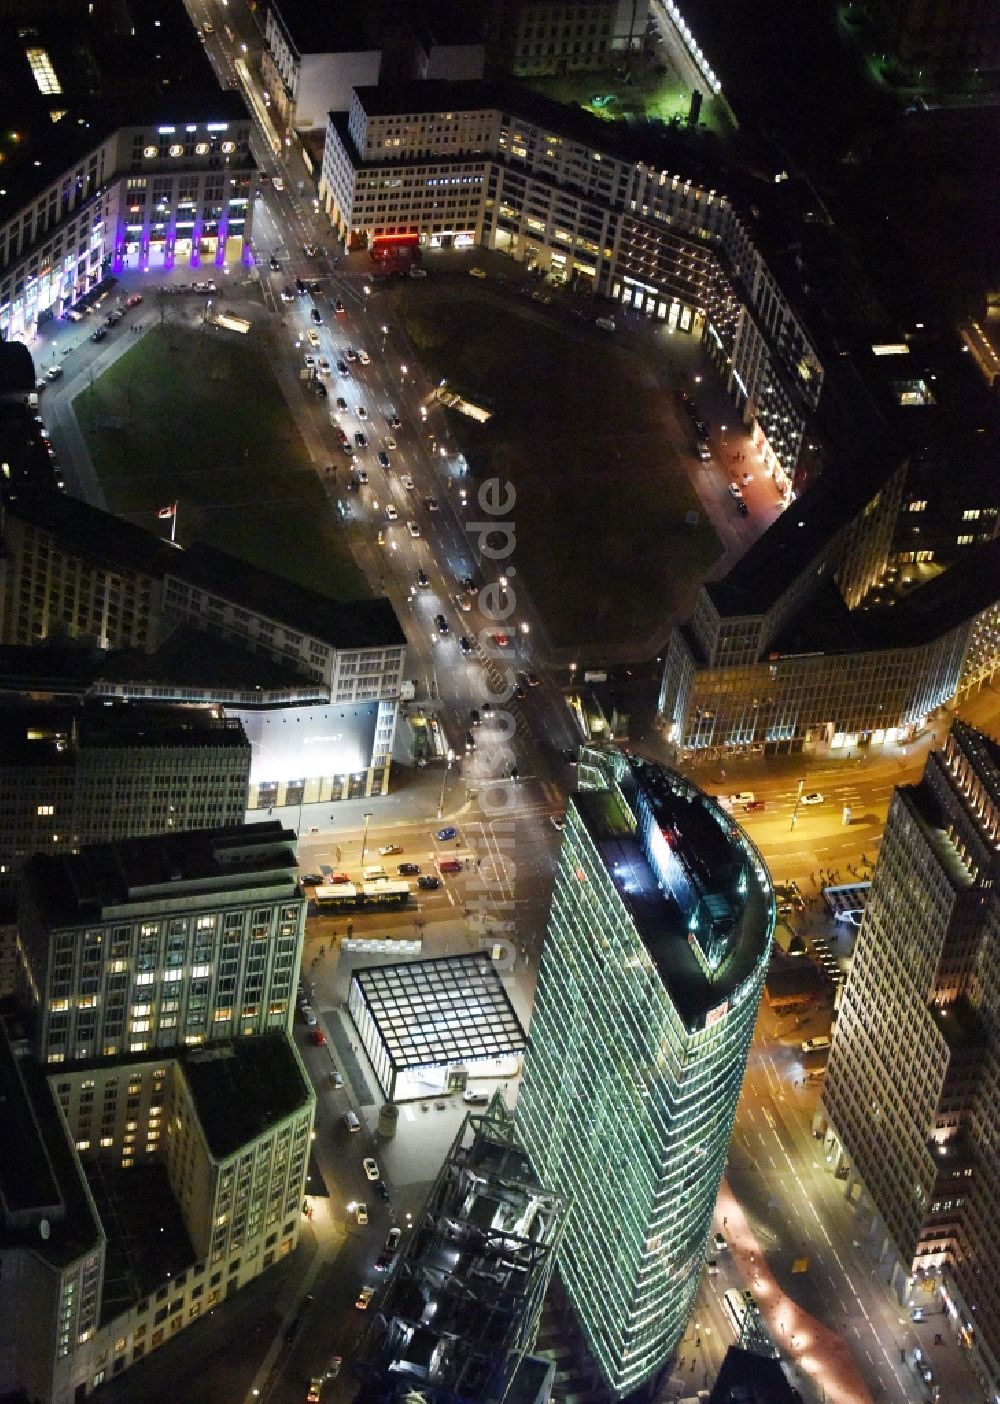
(725,1221)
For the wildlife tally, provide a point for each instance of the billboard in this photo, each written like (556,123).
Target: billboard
(303,743)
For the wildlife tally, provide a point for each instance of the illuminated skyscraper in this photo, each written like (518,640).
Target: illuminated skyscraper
(912,1093)
(651,976)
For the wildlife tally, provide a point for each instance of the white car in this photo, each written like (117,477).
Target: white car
(391,513)
(309,1015)
(313,338)
(735,489)
(324,365)
(743,797)
(464,603)
(361,1214)
(309,362)
(813,797)
(413,529)
(364,357)
(390,443)
(392,1242)
(370,1167)
(407,482)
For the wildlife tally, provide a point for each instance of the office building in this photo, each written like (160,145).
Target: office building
(314,680)
(643,218)
(463,1305)
(147,1189)
(911,1103)
(313,57)
(119,150)
(160,942)
(541,37)
(652,972)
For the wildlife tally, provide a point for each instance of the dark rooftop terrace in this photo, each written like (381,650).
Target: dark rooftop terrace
(241,1089)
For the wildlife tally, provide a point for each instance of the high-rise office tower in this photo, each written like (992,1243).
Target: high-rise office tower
(651,977)
(912,1092)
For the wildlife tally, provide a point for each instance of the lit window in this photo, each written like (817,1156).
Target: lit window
(46,809)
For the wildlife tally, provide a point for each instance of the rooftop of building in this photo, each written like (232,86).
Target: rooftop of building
(194,658)
(749,1378)
(147,1242)
(44,1205)
(76,888)
(480,1256)
(75,73)
(46,733)
(118,544)
(323,29)
(50,670)
(448,1010)
(934,823)
(242,1089)
(711,887)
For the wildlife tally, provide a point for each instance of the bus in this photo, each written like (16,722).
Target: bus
(739,1306)
(353,897)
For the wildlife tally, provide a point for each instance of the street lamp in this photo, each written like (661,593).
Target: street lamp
(364,838)
(444,780)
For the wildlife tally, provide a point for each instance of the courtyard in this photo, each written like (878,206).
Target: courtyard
(197,416)
(611,536)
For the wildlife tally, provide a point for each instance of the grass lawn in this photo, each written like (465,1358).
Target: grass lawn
(581,430)
(653,93)
(198,417)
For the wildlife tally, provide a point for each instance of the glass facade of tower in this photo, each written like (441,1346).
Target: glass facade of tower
(638,1046)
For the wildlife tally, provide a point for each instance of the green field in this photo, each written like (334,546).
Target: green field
(197,417)
(581,429)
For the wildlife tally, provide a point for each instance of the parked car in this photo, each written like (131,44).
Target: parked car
(370,1168)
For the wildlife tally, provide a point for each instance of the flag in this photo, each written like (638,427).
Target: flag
(167,512)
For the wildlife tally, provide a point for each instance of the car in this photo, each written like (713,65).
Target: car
(395,422)
(513,773)
(388,849)
(520,693)
(813,797)
(364,357)
(362,412)
(343,369)
(413,529)
(364,1298)
(443,835)
(309,361)
(361,1213)
(477,272)
(742,797)
(422,580)
(474,717)
(315,1390)
(309,1014)
(273,264)
(407,482)
(383,459)
(501,640)
(370,1167)
(134,300)
(391,514)
(720,1243)
(431,503)
(313,337)
(348,449)
(736,490)
(470,741)
(487,707)
(287,295)
(746,479)
(333,1366)
(99,334)
(321,389)
(362,477)
(418,272)
(384,1260)
(341,403)
(360,439)
(311,879)
(475,1099)
(351,354)
(208,28)
(817,1045)
(754,806)
(407,869)
(323,365)
(342,436)
(558,822)
(337,1078)
(339,308)
(314,313)
(428,883)
(441,624)
(701,429)
(309,250)
(743,509)
(301,287)
(382,1190)
(390,443)
(464,603)
(318,1037)
(704,453)
(465,644)
(392,1240)
(54,372)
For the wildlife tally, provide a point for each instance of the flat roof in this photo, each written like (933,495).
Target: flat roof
(240,1089)
(102,67)
(721,870)
(449,1010)
(348,624)
(322,29)
(191,657)
(75,888)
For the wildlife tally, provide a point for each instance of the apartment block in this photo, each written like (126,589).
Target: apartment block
(570,36)
(161,942)
(920,1016)
(652,972)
